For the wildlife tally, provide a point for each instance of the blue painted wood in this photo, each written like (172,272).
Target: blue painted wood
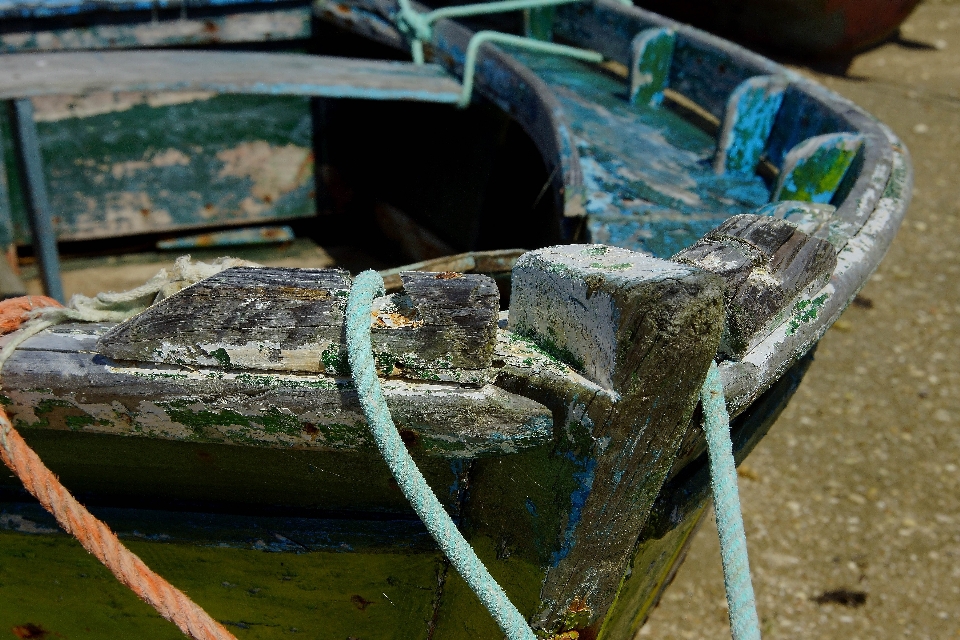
(648,182)
(6,211)
(814,169)
(810,217)
(652,52)
(37,201)
(802,116)
(60,8)
(747,123)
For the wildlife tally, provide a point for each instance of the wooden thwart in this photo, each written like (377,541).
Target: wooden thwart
(37,74)
(443,327)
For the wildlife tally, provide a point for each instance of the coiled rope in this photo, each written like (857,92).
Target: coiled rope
(366,287)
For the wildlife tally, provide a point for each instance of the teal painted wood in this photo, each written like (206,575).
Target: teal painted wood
(202,161)
(76,73)
(6,207)
(538,23)
(646,171)
(747,123)
(652,52)
(813,170)
(30,164)
(232,237)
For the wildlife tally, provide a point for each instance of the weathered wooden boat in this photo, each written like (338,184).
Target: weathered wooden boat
(700,202)
(795,27)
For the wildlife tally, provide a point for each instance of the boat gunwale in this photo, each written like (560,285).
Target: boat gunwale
(884,168)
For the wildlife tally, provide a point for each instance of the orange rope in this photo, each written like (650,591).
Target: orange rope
(95,536)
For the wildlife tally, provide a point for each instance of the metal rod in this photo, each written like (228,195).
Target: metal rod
(30,165)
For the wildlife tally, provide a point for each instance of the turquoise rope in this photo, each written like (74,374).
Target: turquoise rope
(365,288)
(744,624)
(470,61)
(419,26)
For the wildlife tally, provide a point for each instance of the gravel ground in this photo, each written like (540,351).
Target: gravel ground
(852,502)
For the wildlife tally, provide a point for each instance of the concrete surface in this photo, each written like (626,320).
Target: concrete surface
(852,502)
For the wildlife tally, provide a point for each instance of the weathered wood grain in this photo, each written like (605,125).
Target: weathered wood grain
(747,123)
(813,218)
(652,52)
(644,331)
(36,74)
(813,170)
(207,28)
(442,327)
(766,264)
(57,380)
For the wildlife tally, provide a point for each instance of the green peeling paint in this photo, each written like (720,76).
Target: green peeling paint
(222,357)
(50,582)
(805,311)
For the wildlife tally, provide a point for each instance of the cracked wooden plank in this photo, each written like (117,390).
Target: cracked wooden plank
(766,263)
(441,327)
(57,380)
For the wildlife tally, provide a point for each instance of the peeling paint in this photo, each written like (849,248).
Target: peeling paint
(275,170)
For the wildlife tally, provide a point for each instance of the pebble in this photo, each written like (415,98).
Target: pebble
(920,128)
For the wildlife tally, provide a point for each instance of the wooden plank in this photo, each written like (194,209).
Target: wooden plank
(105,32)
(36,74)
(652,52)
(766,263)
(442,327)
(810,217)
(53,8)
(747,123)
(813,170)
(82,390)
(644,331)
(30,165)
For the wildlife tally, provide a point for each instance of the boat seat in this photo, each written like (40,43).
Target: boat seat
(29,75)
(649,175)
(74,73)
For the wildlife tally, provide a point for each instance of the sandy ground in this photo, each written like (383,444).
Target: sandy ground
(856,490)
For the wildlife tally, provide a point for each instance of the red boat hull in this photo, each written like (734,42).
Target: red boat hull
(819,28)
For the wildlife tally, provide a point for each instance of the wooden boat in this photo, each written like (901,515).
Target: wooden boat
(704,204)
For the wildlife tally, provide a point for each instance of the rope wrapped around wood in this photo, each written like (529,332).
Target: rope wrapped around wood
(366,287)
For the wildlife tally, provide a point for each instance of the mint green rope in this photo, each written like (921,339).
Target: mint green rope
(419,26)
(368,285)
(744,624)
(479,38)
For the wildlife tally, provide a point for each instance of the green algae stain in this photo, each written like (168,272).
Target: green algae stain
(221,356)
(77,423)
(805,311)
(620,266)
(335,361)
(549,346)
(51,582)
(461,616)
